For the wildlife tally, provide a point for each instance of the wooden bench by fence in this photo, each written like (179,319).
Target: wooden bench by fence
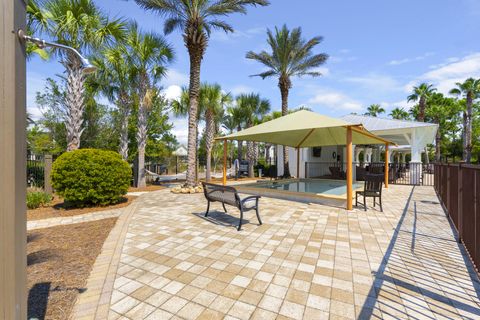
(229,195)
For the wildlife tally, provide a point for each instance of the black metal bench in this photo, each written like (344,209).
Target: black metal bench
(229,195)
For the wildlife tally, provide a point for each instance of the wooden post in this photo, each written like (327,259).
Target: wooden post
(386,165)
(47,171)
(224,161)
(13,151)
(298,163)
(349,169)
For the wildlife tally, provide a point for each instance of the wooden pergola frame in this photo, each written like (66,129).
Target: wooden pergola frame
(349,149)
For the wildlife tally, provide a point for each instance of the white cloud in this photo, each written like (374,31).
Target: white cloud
(323,70)
(222,36)
(175,77)
(239,89)
(445,76)
(407,60)
(335,100)
(375,83)
(35,83)
(172,92)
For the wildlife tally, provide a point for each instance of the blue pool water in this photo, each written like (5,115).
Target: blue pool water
(315,186)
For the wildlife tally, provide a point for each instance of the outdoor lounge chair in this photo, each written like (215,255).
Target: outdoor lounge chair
(372,189)
(229,195)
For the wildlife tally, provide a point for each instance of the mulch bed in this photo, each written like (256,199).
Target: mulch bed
(59,262)
(58,208)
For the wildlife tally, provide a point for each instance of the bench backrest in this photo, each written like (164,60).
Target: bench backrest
(225,194)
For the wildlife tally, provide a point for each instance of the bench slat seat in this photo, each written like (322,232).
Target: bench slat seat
(229,195)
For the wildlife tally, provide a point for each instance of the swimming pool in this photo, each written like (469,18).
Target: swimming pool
(312,190)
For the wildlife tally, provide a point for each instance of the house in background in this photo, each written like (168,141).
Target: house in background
(411,137)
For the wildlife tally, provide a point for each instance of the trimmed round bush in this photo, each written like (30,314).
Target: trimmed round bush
(91,177)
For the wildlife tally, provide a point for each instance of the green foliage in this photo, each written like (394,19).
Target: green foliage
(36,199)
(91,177)
(374,110)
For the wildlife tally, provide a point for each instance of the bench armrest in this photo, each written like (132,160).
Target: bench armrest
(250,198)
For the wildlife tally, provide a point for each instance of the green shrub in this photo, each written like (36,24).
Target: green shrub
(36,199)
(91,177)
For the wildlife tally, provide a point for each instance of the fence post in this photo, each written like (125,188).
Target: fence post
(47,171)
(460,203)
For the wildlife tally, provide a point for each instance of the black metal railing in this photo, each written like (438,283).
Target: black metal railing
(35,171)
(399,173)
(458,188)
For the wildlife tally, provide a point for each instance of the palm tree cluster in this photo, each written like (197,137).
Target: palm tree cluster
(460,113)
(130,64)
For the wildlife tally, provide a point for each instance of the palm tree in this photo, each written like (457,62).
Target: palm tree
(399,114)
(213,102)
(374,110)
(421,94)
(290,56)
(148,55)
(211,106)
(238,118)
(229,124)
(253,107)
(115,78)
(196,19)
(441,110)
(81,25)
(470,89)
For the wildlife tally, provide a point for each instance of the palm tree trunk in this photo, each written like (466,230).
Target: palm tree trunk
(421,110)
(210,135)
(438,142)
(194,92)
(123,149)
(239,146)
(285,85)
(468,130)
(464,136)
(74,101)
(142,143)
(250,158)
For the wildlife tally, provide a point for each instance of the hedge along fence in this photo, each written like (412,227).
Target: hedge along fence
(458,187)
(91,177)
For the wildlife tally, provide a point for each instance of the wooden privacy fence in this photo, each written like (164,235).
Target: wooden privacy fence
(458,187)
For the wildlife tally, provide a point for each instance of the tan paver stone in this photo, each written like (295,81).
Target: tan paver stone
(307,259)
(292,310)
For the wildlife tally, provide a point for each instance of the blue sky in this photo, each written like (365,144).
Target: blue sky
(378,50)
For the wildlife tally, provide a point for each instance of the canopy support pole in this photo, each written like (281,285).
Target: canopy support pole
(386,165)
(349,169)
(224,161)
(298,163)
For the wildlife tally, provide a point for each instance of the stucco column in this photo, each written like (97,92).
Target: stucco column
(358,150)
(416,161)
(403,157)
(368,155)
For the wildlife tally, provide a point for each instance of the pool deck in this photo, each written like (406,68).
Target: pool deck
(164,260)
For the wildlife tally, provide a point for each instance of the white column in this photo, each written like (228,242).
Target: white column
(368,155)
(403,157)
(416,161)
(358,150)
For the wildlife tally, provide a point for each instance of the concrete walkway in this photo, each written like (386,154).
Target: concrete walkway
(165,260)
(52,222)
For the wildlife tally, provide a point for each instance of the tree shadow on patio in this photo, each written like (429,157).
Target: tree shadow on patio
(221,218)
(403,285)
(38,300)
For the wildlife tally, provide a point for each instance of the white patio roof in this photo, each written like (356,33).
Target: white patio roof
(413,133)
